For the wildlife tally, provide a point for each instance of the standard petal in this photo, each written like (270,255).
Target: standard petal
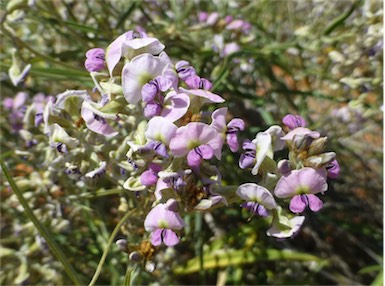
(219,119)
(114,52)
(160,129)
(312,180)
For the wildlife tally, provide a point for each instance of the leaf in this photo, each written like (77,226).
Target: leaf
(232,257)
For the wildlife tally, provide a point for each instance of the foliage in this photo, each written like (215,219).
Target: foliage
(322,60)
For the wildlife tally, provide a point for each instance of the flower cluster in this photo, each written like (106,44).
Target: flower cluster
(297,179)
(153,126)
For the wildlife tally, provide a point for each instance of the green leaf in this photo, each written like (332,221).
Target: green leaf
(232,257)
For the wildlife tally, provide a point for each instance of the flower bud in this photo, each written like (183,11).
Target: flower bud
(317,146)
(284,167)
(135,256)
(122,244)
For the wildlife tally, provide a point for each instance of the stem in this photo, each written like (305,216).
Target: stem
(108,246)
(42,230)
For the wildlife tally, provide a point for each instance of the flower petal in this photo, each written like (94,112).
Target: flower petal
(156,237)
(315,204)
(170,238)
(263,144)
(161,129)
(175,106)
(139,71)
(297,204)
(256,193)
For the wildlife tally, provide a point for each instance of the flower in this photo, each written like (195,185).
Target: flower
(99,171)
(283,227)
(95,60)
(17,109)
(129,45)
(301,186)
(196,82)
(96,120)
(159,132)
(60,139)
(300,131)
(333,169)
(199,97)
(293,121)
(256,152)
(162,221)
(150,176)
(184,70)
(198,141)
(230,130)
(258,199)
(172,107)
(142,70)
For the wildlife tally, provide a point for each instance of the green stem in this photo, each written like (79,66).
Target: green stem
(42,230)
(338,21)
(108,246)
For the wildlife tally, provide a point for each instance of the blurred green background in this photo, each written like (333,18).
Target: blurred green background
(320,59)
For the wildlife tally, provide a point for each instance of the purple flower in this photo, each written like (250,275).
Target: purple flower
(333,169)
(239,25)
(228,19)
(230,48)
(159,132)
(300,131)
(96,120)
(60,139)
(247,158)
(212,18)
(198,141)
(150,176)
(175,106)
(294,121)
(144,69)
(196,82)
(230,130)
(257,151)
(98,172)
(95,60)
(199,97)
(129,45)
(17,108)
(162,221)
(258,199)
(301,186)
(202,16)
(184,70)
(170,180)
